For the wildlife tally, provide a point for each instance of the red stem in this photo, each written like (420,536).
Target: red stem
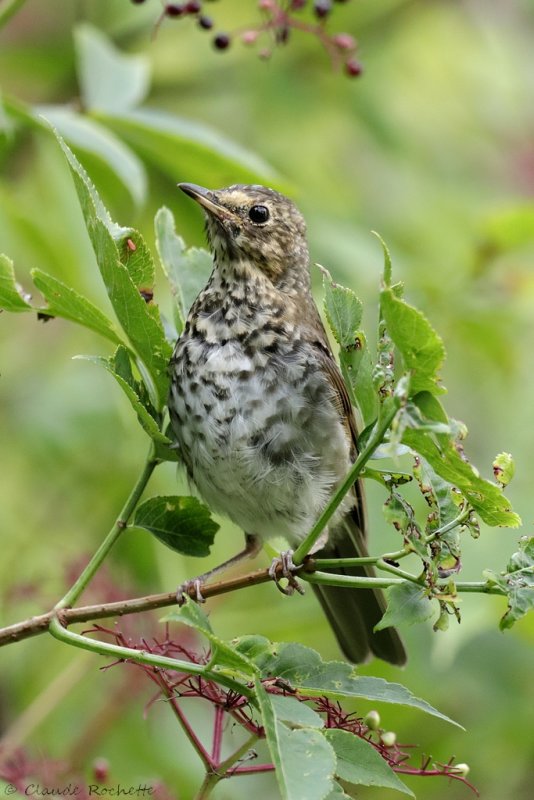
(217,735)
(191,735)
(251,769)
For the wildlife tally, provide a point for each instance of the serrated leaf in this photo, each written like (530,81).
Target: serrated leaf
(186,269)
(388,269)
(295,713)
(224,656)
(303,759)
(420,346)
(343,311)
(109,79)
(182,523)
(146,420)
(10,297)
(140,320)
(305,671)
(486,498)
(62,301)
(407,604)
(359,763)
(518,583)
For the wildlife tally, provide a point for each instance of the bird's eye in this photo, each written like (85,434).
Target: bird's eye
(259,214)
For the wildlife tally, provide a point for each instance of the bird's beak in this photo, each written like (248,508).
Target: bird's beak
(205,198)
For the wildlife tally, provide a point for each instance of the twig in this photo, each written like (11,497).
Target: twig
(40,624)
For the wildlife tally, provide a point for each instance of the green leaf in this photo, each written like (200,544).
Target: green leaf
(186,269)
(387,477)
(486,498)
(407,604)
(62,301)
(438,494)
(388,269)
(305,671)
(10,297)
(343,311)
(224,656)
(337,793)
(145,418)
(344,314)
(295,713)
(180,149)
(304,761)
(182,523)
(88,136)
(109,80)
(420,346)
(518,583)
(503,468)
(359,763)
(140,320)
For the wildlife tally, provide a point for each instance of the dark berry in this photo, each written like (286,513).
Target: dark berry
(174,10)
(221,41)
(353,68)
(296,5)
(193,7)
(322,8)
(206,23)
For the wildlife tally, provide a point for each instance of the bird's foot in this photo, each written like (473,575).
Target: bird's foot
(185,590)
(283,567)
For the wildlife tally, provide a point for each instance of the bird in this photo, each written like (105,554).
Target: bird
(258,407)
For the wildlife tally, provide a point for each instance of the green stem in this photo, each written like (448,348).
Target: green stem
(150,659)
(354,582)
(349,581)
(375,439)
(383,565)
(212,778)
(120,524)
(9,9)
(381,561)
(479,586)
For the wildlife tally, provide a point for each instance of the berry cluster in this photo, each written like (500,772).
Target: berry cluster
(278,20)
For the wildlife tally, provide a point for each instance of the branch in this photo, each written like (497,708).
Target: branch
(40,624)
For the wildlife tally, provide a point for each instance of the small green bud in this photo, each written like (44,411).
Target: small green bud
(442,622)
(462,769)
(372,720)
(503,468)
(389,738)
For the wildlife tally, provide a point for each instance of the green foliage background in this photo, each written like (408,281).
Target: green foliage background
(433,148)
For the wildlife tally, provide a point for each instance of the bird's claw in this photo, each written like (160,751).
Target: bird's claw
(184,591)
(283,567)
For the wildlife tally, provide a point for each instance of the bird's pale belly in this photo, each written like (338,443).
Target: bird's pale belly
(262,440)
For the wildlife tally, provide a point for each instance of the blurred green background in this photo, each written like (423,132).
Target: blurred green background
(434,148)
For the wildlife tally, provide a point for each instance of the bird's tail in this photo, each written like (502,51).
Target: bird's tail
(353,613)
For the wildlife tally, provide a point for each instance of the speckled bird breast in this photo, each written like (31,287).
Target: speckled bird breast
(254,417)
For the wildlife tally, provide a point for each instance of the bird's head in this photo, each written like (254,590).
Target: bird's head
(253,227)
